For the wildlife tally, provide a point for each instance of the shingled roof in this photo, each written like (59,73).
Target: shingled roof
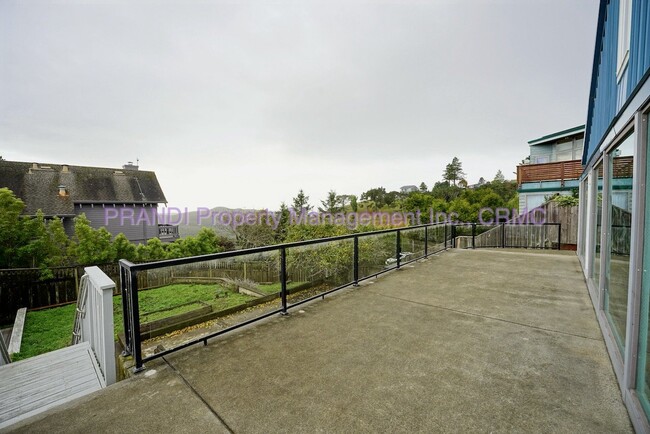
(38,186)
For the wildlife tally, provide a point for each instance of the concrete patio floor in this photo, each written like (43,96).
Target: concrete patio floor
(484,340)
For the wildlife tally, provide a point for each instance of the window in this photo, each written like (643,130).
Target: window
(643,367)
(541,159)
(598,173)
(624,29)
(620,186)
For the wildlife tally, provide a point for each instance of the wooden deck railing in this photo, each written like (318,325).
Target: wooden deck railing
(558,171)
(572,169)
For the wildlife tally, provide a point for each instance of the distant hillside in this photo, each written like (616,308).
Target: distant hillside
(191,226)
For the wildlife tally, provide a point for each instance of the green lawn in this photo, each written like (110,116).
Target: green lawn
(50,329)
(46,330)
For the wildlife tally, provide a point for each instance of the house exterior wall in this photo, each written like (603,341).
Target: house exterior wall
(141,227)
(609,94)
(614,234)
(562,151)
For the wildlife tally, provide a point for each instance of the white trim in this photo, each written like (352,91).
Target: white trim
(626,117)
(636,253)
(605,233)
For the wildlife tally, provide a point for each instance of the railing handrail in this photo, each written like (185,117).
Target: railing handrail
(263,249)
(97,321)
(129,282)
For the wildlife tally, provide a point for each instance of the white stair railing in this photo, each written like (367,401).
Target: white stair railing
(94,319)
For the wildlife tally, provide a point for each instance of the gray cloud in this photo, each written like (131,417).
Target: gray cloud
(218,96)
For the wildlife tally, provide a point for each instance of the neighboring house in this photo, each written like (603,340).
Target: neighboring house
(405,189)
(553,167)
(108,197)
(614,224)
(481,182)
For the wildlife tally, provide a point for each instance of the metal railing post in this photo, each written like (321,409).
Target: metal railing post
(473,235)
(283,279)
(356,260)
(503,235)
(426,241)
(124,283)
(453,237)
(445,236)
(398,248)
(559,236)
(135,323)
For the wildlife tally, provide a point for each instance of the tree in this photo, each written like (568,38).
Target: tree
(453,171)
(301,201)
(391,197)
(92,246)
(283,224)
(499,176)
(376,195)
(445,191)
(423,187)
(332,204)
(257,235)
(481,181)
(353,203)
(124,249)
(10,227)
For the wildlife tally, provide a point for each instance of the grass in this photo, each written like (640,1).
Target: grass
(50,329)
(273,288)
(46,330)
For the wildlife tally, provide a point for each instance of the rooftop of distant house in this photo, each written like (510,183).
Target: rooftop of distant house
(56,188)
(553,137)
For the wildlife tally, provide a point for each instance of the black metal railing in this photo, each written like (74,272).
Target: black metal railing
(507,235)
(411,244)
(167,231)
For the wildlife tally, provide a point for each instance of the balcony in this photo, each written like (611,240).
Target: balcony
(167,232)
(467,341)
(557,171)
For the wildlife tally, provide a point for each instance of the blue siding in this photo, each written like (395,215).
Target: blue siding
(639,44)
(606,91)
(607,96)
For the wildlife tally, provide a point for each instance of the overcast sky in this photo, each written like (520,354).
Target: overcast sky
(241,103)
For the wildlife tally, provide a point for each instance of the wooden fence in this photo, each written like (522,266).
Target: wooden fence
(567,216)
(25,287)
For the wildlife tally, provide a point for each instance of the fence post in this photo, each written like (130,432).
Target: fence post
(473,235)
(503,235)
(559,236)
(283,279)
(445,236)
(452,242)
(398,248)
(126,319)
(356,260)
(426,241)
(135,322)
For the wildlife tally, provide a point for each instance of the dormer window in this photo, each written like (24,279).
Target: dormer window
(63,190)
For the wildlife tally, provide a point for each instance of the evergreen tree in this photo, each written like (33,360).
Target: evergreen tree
(453,171)
(332,204)
(301,201)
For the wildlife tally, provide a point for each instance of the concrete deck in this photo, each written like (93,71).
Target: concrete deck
(485,340)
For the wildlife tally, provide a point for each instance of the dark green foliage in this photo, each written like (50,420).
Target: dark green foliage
(332,204)
(301,201)
(453,171)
